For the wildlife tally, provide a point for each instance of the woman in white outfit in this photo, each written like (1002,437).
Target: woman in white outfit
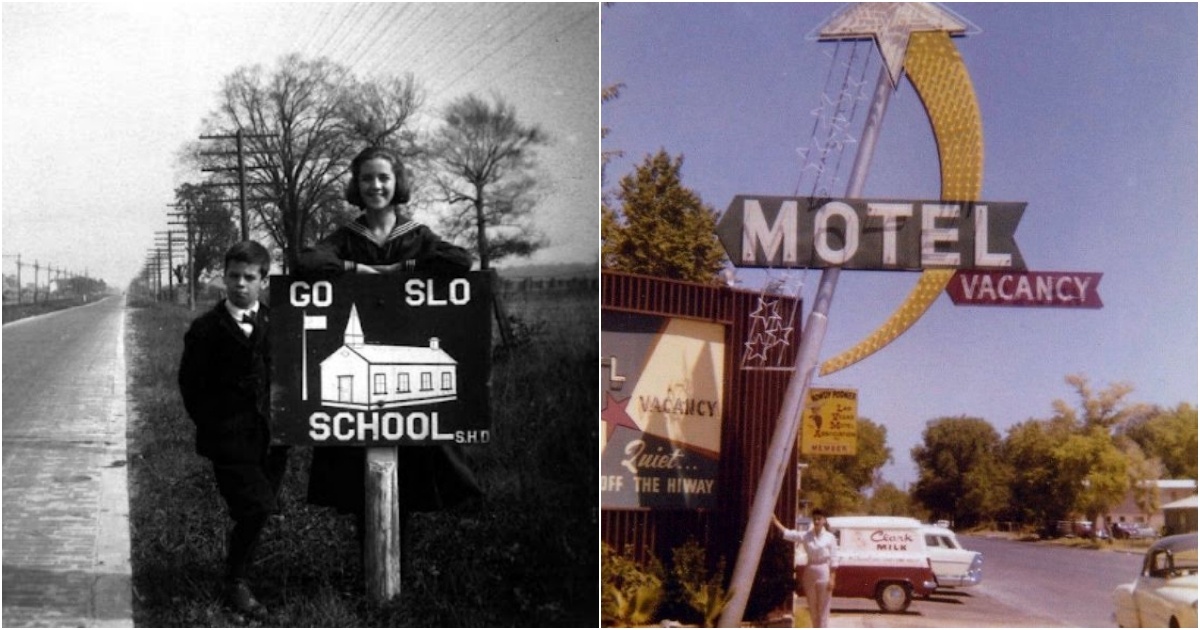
(820,574)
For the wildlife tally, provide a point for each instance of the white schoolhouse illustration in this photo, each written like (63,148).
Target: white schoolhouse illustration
(359,375)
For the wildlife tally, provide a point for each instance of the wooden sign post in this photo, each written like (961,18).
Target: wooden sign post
(382,558)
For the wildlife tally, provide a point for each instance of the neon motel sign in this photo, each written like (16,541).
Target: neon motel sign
(793,232)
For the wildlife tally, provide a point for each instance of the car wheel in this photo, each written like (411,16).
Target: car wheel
(893,597)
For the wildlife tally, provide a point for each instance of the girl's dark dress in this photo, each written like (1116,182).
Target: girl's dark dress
(429,478)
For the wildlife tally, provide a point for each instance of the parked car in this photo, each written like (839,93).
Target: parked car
(882,558)
(1164,595)
(953,565)
(1082,529)
(1133,530)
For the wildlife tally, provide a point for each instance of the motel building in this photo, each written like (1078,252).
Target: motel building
(364,376)
(1168,492)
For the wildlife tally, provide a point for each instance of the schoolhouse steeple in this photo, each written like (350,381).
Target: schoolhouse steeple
(354,333)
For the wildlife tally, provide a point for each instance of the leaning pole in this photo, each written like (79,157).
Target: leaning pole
(807,356)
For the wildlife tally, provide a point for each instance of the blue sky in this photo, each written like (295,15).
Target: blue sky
(99,98)
(1089,116)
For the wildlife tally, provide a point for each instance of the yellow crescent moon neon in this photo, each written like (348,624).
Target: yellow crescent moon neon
(940,78)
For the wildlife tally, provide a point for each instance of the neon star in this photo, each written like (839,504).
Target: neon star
(890,24)
(753,351)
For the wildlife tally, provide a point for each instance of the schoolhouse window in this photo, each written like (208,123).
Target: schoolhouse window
(380,383)
(426,381)
(402,382)
(447,381)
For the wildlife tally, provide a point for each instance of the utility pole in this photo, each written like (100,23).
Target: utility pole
(155,258)
(18,257)
(239,138)
(191,225)
(170,236)
(191,244)
(35,280)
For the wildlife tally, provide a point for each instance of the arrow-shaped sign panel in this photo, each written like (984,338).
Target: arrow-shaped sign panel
(1032,288)
(872,234)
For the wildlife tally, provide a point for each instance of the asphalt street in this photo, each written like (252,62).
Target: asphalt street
(1025,585)
(66,502)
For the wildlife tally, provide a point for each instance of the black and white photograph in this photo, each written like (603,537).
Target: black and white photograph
(210,417)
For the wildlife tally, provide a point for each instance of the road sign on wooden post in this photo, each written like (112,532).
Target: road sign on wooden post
(378,361)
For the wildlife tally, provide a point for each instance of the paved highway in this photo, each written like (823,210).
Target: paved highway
(66,502)
(1071,586)
(1027,585)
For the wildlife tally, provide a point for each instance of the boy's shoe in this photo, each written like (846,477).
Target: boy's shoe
(239,597)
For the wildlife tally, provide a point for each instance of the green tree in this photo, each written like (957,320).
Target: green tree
(960,473)
(1107,408)
(1168,435)
(1038,493)
(485,159)
(888,500)
(667,230)
(1082,460)
(1089,460)
(1140,468)
(836,483)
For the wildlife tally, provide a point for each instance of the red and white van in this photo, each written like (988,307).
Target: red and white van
(882,558)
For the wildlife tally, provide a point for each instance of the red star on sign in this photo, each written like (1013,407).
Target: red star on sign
(614,415)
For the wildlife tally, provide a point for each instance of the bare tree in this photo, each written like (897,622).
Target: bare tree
(484,160)
(213,229)
(303,122)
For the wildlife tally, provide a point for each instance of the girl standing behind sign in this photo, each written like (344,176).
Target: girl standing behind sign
(382,240)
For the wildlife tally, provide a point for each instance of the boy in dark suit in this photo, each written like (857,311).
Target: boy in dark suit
(225,381)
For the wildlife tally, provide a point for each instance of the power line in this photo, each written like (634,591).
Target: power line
(389,28)
(349,38)
(435,40)
(496,33)
(320,52)
(370,35)
(306,48)
(534,46)
(468,71)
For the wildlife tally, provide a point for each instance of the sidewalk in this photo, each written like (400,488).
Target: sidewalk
(66,554)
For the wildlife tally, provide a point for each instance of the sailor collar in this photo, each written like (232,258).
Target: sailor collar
(359,226)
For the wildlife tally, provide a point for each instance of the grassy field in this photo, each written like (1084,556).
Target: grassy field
(525,556)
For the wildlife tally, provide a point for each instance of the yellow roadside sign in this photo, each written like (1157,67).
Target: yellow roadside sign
(829,423)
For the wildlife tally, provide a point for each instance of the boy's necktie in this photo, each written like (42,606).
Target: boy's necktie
(249,319)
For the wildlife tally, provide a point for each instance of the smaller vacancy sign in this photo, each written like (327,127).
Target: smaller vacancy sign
(662,382)
(829,424)
(1061,289)
(380,360)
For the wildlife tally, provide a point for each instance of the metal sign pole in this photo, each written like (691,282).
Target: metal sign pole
(807,356)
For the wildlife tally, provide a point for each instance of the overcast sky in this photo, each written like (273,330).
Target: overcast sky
(98,99)
(1089,116)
